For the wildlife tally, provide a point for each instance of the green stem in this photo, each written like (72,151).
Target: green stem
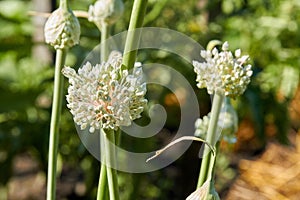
(102,192)
(54,126)
(212,171)
(104,29)
(132,39)
(64,5)
(110,158)
(211,138)
(102,185)
(136,21)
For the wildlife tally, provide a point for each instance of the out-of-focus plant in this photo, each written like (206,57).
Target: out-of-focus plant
(23,110)
(272,27)
(267,30)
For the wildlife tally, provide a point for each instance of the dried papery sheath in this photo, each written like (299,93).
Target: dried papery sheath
(105,96)
(201,193)
(223,71)
(108,11)
(62,29)
(206,192)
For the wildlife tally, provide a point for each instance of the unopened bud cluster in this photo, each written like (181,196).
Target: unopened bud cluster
(62,29)
(201,126)
(227,124)
(223,72)
(107,11)
(104,95)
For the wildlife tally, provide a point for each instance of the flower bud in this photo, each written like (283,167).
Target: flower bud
(108,11)
(201,126)
(227,123)
(62,29)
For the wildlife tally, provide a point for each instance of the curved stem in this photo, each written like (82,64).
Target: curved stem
(54,126)
(133,36)
(207,163)
(157,153)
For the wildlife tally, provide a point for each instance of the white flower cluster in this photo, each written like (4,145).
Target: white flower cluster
(223,72)
(105,96)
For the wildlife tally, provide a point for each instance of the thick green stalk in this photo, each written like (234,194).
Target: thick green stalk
(211,138)
(110,158)
(102,185)
(104,29)
(102,192)
(54,126)
(136,21)
(104,36)
(132,39)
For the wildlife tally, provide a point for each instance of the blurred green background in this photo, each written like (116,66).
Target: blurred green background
(267,30)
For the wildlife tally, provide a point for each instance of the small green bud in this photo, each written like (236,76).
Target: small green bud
(108,11)
(62,29)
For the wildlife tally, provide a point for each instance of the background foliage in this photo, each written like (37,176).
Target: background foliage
(268,30)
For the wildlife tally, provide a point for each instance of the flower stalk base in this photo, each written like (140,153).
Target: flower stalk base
(54,126)
(207,163)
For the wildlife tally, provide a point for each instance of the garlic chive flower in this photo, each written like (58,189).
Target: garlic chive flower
(107,11)
(104,95)
(223,72)
(62,29)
